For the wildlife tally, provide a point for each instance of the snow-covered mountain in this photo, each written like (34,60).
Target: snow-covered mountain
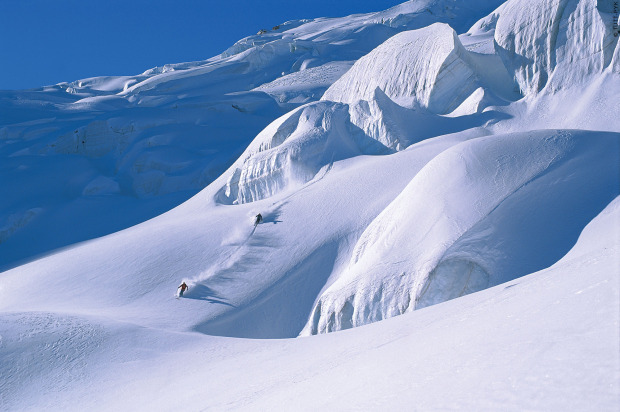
(453,162)
(98,155)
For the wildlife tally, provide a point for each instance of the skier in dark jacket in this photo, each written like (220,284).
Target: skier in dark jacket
(259,218)
(183,286)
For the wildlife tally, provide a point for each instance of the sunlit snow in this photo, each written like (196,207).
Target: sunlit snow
(439,190)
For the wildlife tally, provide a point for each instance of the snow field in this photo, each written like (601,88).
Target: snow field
(467,180)
(201,110)
(522,217)
(483,347)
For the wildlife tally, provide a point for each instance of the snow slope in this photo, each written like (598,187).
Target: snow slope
(508,347)
(101,154)
(530,194)
(453,175)
(415,67)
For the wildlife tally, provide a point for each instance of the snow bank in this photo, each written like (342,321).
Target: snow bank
(483,212)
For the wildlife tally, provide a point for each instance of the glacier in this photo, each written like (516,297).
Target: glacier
(439,184)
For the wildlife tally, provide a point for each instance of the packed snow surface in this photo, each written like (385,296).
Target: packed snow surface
(439,185)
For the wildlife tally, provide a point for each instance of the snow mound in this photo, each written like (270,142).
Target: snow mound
(555,44)
(292,150)
(413,79)
(426,67)
(483,212)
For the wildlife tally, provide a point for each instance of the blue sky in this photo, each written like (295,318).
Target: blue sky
(49,41)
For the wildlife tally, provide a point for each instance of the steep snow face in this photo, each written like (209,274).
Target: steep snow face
(555,43)
(425,67)
(483,212)
(413,79)
(387,122)
(600,235)
(292,150)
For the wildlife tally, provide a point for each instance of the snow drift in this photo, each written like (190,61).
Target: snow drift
(442,163)
(292,150)
(115,132)
(528,196)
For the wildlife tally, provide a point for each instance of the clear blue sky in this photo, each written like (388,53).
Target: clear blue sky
(49,41)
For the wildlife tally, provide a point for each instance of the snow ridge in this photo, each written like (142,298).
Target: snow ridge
(554,44)
(291,151)
(419,67)
(414,255)
(402,164)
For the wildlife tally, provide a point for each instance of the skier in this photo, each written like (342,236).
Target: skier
(259,218)
(183,286)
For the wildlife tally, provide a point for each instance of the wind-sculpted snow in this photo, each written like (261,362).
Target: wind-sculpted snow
(436,167)
(393,95)
(414,77)
(483,212)
(139,145)
(305,85)
(292,150)
(422,67)
(555,43)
